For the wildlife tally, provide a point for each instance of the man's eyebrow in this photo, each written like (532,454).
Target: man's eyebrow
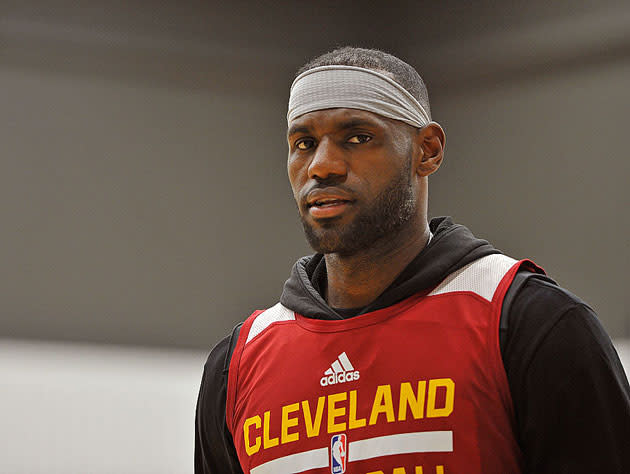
(347,124)
(298,129)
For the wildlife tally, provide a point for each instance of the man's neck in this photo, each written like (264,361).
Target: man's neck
(357,280)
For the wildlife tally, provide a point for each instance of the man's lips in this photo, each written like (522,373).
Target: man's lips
(322,203)
(327,209)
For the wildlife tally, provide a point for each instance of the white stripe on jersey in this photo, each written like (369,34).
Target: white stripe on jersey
(404,443)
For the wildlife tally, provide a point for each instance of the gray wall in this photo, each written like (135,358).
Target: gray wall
(143,192)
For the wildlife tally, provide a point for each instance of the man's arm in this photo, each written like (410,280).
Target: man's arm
(214,448)
(569,389)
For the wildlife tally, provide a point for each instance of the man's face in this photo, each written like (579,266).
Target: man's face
(352,178)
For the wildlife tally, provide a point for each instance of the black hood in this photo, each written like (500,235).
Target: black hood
(452,247)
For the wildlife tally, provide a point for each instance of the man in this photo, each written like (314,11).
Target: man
(403,346)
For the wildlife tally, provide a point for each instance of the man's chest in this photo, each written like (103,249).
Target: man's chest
(401,390)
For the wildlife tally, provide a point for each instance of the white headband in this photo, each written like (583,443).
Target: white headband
(329,87)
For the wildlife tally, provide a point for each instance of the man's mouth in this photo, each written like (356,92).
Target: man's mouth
(328,202)
(326,208)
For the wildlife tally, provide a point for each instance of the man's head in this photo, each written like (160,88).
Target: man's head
(361,144)
(376,60)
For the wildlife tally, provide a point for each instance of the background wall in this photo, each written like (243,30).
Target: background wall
(143,182)
(144,199)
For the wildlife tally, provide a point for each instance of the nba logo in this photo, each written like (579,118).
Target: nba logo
(338,454)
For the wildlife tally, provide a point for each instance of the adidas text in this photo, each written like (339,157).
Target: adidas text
(339,378)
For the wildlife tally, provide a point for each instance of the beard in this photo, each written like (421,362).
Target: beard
(384,217)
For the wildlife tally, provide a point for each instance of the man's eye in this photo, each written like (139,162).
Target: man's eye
(359,139)
(305,144)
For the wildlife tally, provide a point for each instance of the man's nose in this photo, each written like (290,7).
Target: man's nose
(328,161)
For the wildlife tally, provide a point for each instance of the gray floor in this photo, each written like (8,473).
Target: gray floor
(78,408)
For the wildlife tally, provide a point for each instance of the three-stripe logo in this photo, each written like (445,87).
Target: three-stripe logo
(341,370)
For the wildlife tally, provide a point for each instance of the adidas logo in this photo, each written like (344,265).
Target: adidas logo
(341,370)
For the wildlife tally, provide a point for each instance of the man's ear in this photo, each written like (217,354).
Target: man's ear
(431,141)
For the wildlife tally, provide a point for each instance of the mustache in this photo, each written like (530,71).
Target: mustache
(335,181)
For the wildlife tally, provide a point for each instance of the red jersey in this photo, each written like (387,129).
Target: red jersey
(418,387)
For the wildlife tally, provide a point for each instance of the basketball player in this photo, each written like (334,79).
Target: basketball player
(402,345)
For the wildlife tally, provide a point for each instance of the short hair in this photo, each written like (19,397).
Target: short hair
(376,60)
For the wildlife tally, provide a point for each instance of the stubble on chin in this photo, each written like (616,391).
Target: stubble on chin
(386,216)
(327,239)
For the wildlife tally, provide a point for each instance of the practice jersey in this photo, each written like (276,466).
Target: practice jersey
(417,387)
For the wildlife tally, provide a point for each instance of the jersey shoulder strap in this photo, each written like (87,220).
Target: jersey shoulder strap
(232,363)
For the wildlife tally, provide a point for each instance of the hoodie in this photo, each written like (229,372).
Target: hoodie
(451,247)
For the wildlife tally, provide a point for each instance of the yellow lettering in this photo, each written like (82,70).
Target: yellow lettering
(267,441)
(439,469)
(399,470)
(249,449)
(353,422)
(419,470)
(376,472)
(447,409)
(382,404)
(312,427)
(335,412)
(408,398)
(285,436)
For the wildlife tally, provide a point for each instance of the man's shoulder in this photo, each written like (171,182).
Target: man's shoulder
(541,296)
(547,320)
(218,361)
